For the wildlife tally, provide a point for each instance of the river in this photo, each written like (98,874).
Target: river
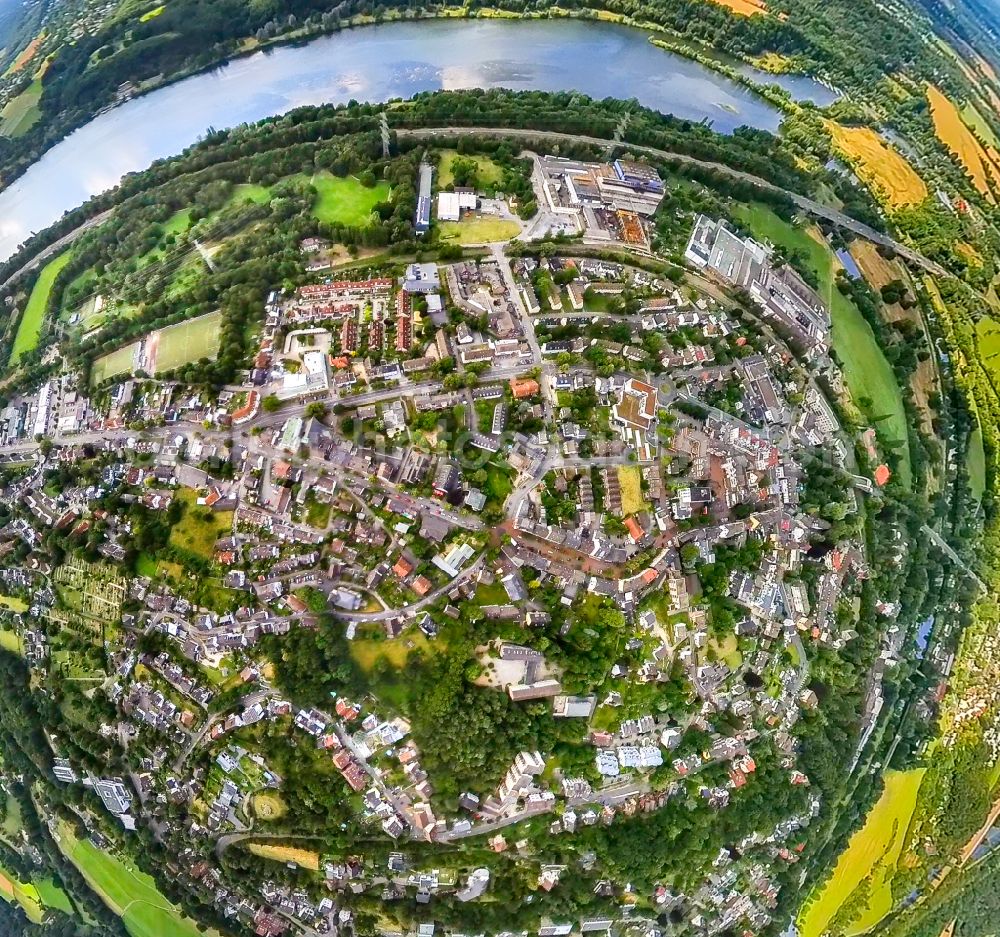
(376,63)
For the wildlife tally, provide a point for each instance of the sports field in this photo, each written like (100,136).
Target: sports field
(114,363)
(982,165)
(478,230)
(880,166)
(871,858)
(183,343)
(129,892)
(345,200)
(30,326)
(866,370)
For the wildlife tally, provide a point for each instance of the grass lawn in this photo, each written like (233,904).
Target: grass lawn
(53,896)
(185,342)
(13,822)
(127,891)
(478,230)
(10,641)
(488,173)
(366,651)
(630,479)
(145,565)
(345,200)
(30,326)
(113,364)
(199,527)
(498,483)
(249,192)
(268,805)
(13,604)
(976,464)
(727,650)
(866,370)
(872,855)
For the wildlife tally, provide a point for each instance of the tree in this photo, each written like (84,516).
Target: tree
(317,410)
(270,404)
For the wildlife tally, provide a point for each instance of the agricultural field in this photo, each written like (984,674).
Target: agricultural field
(982,165)
(869,860)
(476,229)
(30,327)
(866,370)
(129,892)
(488,173)
(346,201)
(878,164)
(20,114)
(979,125)
(305,858)
(26,54)
(199,527)
(875,268)
(988,340)
(744,7)
(630,479)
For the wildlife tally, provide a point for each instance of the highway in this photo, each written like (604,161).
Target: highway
(808,205)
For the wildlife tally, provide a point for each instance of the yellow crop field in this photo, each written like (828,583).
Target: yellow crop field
(878,165)
(875,268)
(305,858)
(744,7)
(869,861)
(952,131)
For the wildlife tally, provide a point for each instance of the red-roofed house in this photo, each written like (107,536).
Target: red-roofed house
(633,528)
(882,475)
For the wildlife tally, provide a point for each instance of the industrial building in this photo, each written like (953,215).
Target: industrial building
(452,204)
(422,218)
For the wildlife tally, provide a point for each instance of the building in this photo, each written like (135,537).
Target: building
(452,204)
(421,278)
(522,387)
(422,217)
(312,378)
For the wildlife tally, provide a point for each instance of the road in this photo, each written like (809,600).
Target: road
(808,205)
(57,246)
(942,545)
